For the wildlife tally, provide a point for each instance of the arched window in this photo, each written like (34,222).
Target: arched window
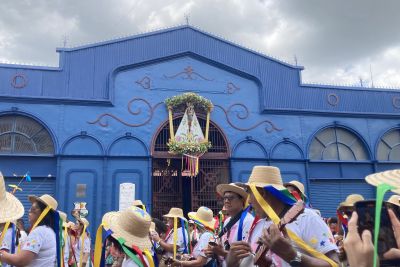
(337,143)
(389,146)
(20,135)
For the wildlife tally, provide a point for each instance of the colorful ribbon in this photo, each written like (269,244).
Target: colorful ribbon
(6,226)
(175,235)
(83,236)
(240,228)
(42,215)
(380,193)
(131,255)
(272,215)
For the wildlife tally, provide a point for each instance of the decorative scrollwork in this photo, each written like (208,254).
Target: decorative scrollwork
(145,82)
(396,102)
(333,99)
(19,81)
(270,128)
(188,73)
(102,123)
(231,88)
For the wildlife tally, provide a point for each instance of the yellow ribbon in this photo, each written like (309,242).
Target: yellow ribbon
(42,215)
(271,214)
(83,235)
(171,125)
(207,125)
(175,235)
(98,245)
(149,257)
(3,234)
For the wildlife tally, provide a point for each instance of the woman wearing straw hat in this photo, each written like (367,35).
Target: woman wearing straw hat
(176,231)
(129,236)
(205,222)
(40,247)
(309,232)
(80,243)
(11,209)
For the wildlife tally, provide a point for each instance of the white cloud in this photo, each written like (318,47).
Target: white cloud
(336,41)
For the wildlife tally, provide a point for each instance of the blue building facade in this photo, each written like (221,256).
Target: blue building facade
(98,120)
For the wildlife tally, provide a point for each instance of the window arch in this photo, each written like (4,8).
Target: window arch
(389,146)
(336,143)
(21,135)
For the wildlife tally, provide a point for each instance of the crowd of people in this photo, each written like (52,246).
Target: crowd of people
(263,222)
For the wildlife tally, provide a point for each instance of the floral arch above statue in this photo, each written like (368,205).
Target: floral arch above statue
(189,140)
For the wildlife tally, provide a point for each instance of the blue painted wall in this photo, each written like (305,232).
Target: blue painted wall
(103,105)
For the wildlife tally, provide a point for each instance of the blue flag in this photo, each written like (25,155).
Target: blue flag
(28,178)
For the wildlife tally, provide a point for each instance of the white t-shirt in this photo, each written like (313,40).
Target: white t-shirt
(180,242)
(42,242)
(66,249)
(201,245)
(78,247)
(23,237)
(128,262)
(6,244)
(309,226)
(233,232)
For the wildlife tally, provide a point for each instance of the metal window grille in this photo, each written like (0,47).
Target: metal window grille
(389,146)
(337,144)
(21,135)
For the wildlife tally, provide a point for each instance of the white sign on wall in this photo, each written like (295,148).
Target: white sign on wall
(126,195)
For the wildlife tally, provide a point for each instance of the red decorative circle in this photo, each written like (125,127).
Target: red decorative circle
(19,81)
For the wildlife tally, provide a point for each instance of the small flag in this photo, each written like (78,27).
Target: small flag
(28,178)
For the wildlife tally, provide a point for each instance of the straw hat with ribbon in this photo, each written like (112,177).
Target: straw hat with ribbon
(11,208)
(269,178)
(130,227)
(204,216)
(232,187)
(262,176)
(391,178)
(395,199)
(350,200)
(296,184)
(175,213)
(47,200)
(139,203)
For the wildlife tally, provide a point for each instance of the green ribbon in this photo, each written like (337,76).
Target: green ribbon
(131,255)
(380,193)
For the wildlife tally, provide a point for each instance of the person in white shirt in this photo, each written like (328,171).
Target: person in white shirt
(234,196)
(130,236)
(11,209)
(22,232)
(205,222)
(40,247)
(182,244)
(266,181)
(80,244)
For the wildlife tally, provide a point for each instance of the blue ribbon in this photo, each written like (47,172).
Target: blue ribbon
(184,236)
(58,233)
(155,258)
(103,250)
(240,229)
(13,238)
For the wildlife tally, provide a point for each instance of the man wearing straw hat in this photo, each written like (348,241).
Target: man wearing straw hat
(181,235)
(11,209)
(237,226)
(310,243)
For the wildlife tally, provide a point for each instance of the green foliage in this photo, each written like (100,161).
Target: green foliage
(188,147)
(180,102)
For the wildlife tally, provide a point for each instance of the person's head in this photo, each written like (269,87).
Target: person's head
(333,225)
(11,208)
(275,203)
(80,225)
(115,247)
(161,227)
(20,224)
(174,213)
(234,196)
(39,204)
(347,206)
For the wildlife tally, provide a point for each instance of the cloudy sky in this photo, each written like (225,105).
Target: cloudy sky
(338,42)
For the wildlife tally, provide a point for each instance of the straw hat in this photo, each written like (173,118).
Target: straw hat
(391,177)
(395,199)
(262,176)
(203,215)
(47,200)
(152,227)
(11,209)
(63,217)
(131,224)
(350,200)
(232,187)
(137,202)
(175,213)
(296,184)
